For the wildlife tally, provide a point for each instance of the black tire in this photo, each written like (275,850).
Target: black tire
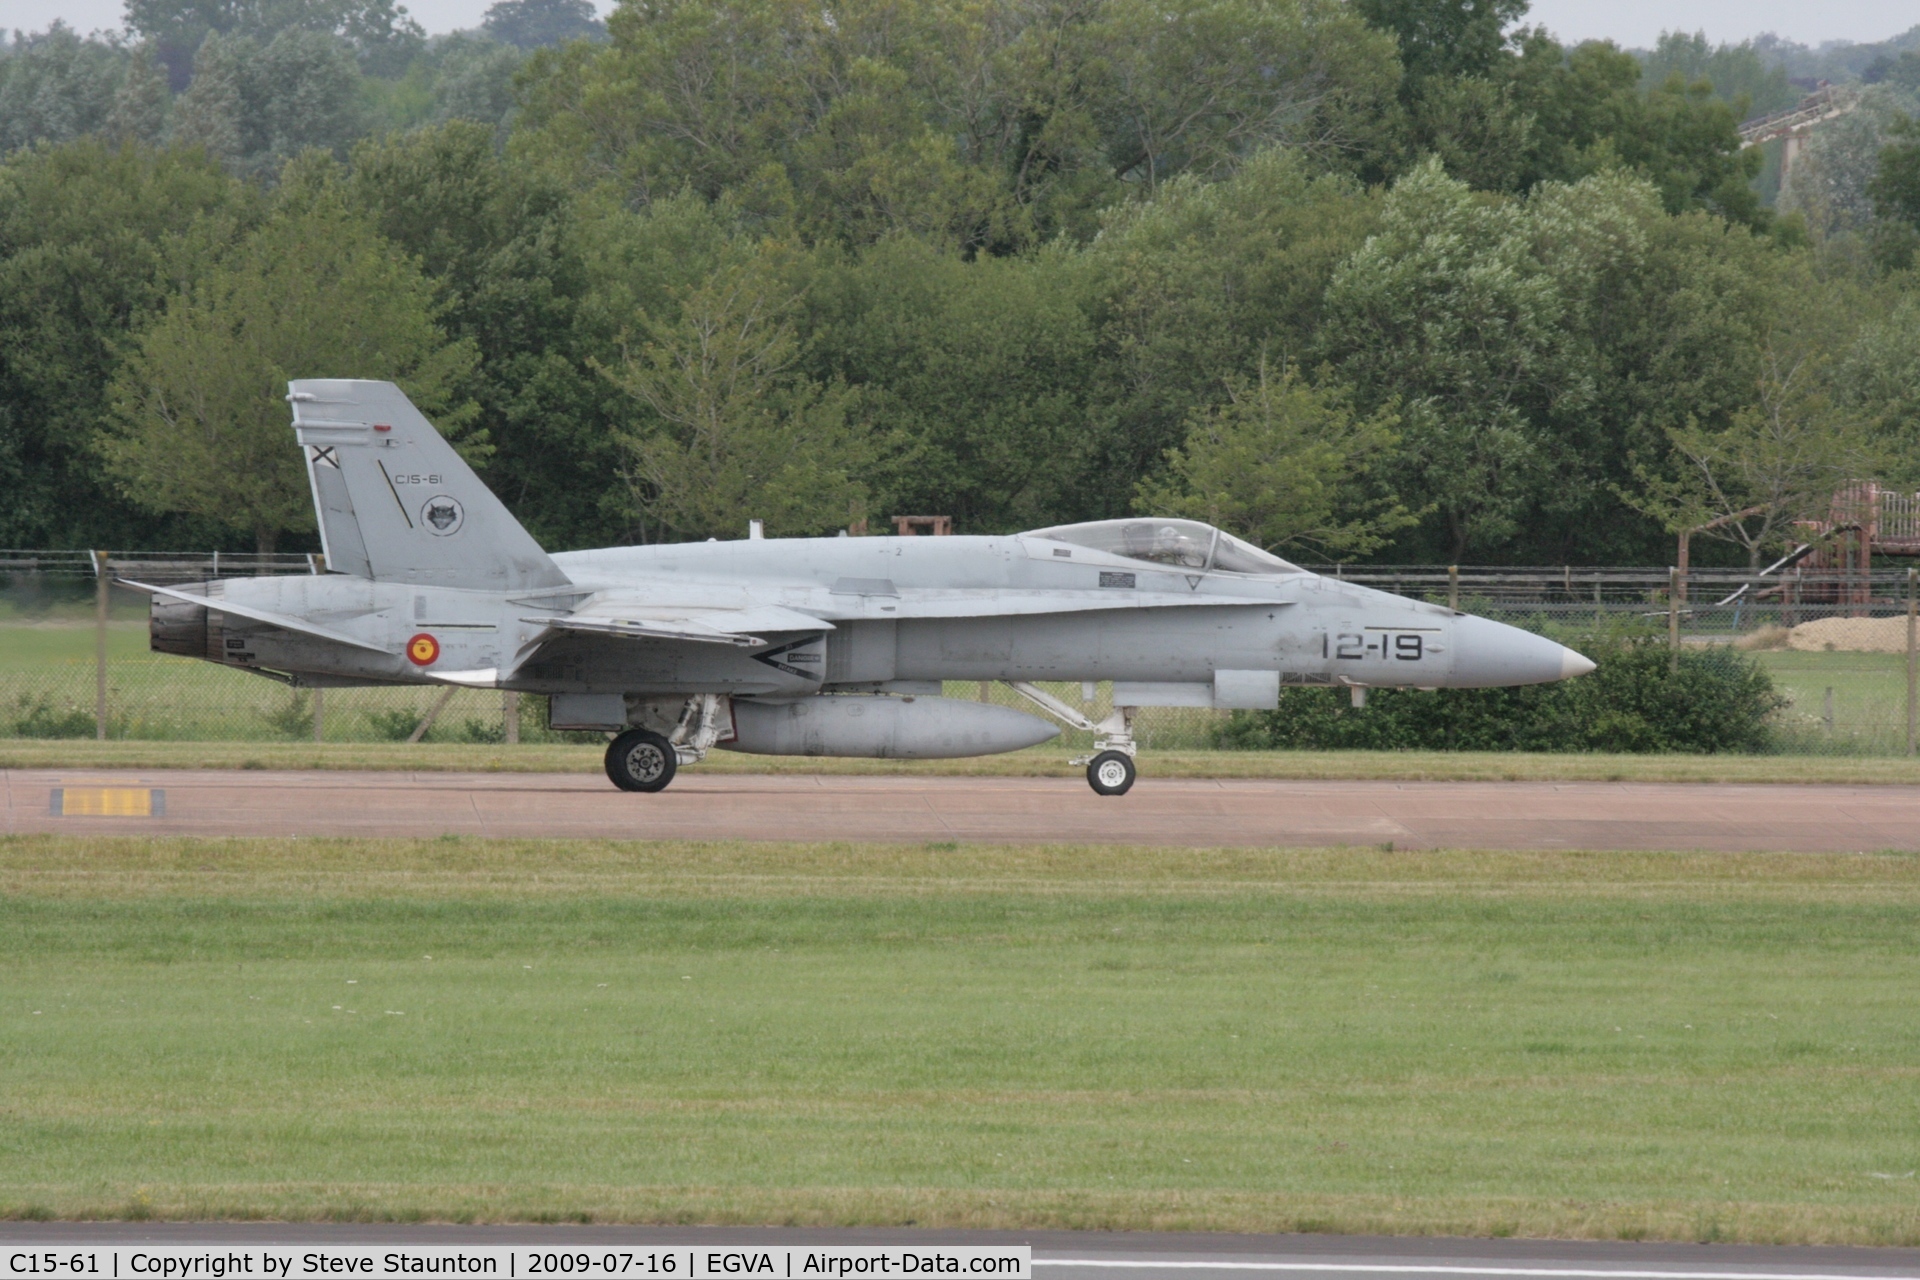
(1111,773)
(641,760)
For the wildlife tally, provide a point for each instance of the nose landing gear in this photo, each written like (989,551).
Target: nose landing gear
(1110,769)
(1110,773)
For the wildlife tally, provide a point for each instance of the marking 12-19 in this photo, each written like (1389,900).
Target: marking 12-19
(1404,646)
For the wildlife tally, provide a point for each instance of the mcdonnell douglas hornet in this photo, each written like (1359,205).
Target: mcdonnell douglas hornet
(798,646)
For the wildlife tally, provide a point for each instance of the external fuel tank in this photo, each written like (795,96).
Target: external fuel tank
(884,726)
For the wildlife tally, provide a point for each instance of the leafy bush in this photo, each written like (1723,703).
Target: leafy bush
(1719,700)
(37,717)
(293,718)
(395,724)
(486,732)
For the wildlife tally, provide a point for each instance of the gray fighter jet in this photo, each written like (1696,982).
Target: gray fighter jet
(798,646)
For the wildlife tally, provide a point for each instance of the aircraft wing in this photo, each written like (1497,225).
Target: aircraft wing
(613,616)
(281,620)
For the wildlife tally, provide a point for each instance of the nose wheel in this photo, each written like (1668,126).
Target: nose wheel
(1110,773)
(1110,770)
(641,760)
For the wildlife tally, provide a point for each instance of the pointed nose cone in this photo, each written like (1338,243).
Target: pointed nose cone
(1488,654)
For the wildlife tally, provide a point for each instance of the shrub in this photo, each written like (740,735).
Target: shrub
(395,724)
(482,731)
(37,717)
(1719,700)
(293,718)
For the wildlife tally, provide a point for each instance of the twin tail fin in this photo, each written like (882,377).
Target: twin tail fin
(397,504)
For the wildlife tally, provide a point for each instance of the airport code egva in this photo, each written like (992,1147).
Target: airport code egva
(512,1262)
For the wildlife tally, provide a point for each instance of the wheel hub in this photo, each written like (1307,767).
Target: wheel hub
(645,762)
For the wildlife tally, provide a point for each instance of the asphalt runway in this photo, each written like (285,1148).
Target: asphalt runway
(1070,1255)
(1409,815)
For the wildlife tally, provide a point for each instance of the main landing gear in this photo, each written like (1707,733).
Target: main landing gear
(642,760)
(1110,769)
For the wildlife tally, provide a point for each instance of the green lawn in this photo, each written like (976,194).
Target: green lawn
(1621,1045)
(1869,700)
(47,672)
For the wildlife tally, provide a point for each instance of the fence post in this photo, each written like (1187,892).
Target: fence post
(319,715)
(433,713)
(1673,620)
(510,716)
(100,603)
(1913,653)
(1453,587)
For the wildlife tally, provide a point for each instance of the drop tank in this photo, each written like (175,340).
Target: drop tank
(902,728)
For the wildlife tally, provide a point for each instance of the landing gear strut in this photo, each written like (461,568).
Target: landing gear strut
(1110,769)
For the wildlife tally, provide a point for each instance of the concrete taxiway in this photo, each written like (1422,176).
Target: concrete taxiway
(1412,815)
(1069,1255)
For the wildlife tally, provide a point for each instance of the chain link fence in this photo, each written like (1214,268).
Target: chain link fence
(74,663)
(74,660)
(1835,642)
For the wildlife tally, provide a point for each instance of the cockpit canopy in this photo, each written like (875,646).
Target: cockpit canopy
(1185,544)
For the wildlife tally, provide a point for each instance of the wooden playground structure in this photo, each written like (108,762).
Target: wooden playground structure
(1829,572)
(1834,564)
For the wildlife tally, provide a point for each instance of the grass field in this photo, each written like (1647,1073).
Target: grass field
(47,673)
(1613,1045)
(1842,702)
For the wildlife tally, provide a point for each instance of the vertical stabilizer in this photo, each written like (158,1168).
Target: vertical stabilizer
(396,503)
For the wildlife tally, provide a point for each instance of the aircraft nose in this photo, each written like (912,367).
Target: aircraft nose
(1488,654)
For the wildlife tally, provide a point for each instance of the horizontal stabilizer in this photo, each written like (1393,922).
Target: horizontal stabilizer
(281,620)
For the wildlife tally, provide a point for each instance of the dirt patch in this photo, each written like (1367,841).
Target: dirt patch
(1850,635)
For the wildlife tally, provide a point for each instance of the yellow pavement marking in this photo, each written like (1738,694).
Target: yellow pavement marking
(107,802)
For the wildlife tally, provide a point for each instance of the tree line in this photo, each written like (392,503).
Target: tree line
(1394,279)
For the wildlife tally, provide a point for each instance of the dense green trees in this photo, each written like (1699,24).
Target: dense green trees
(1288,465)
(94,240)
(1392,280)
(530,24)
(735,430)
(199,419)
(1737,72)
